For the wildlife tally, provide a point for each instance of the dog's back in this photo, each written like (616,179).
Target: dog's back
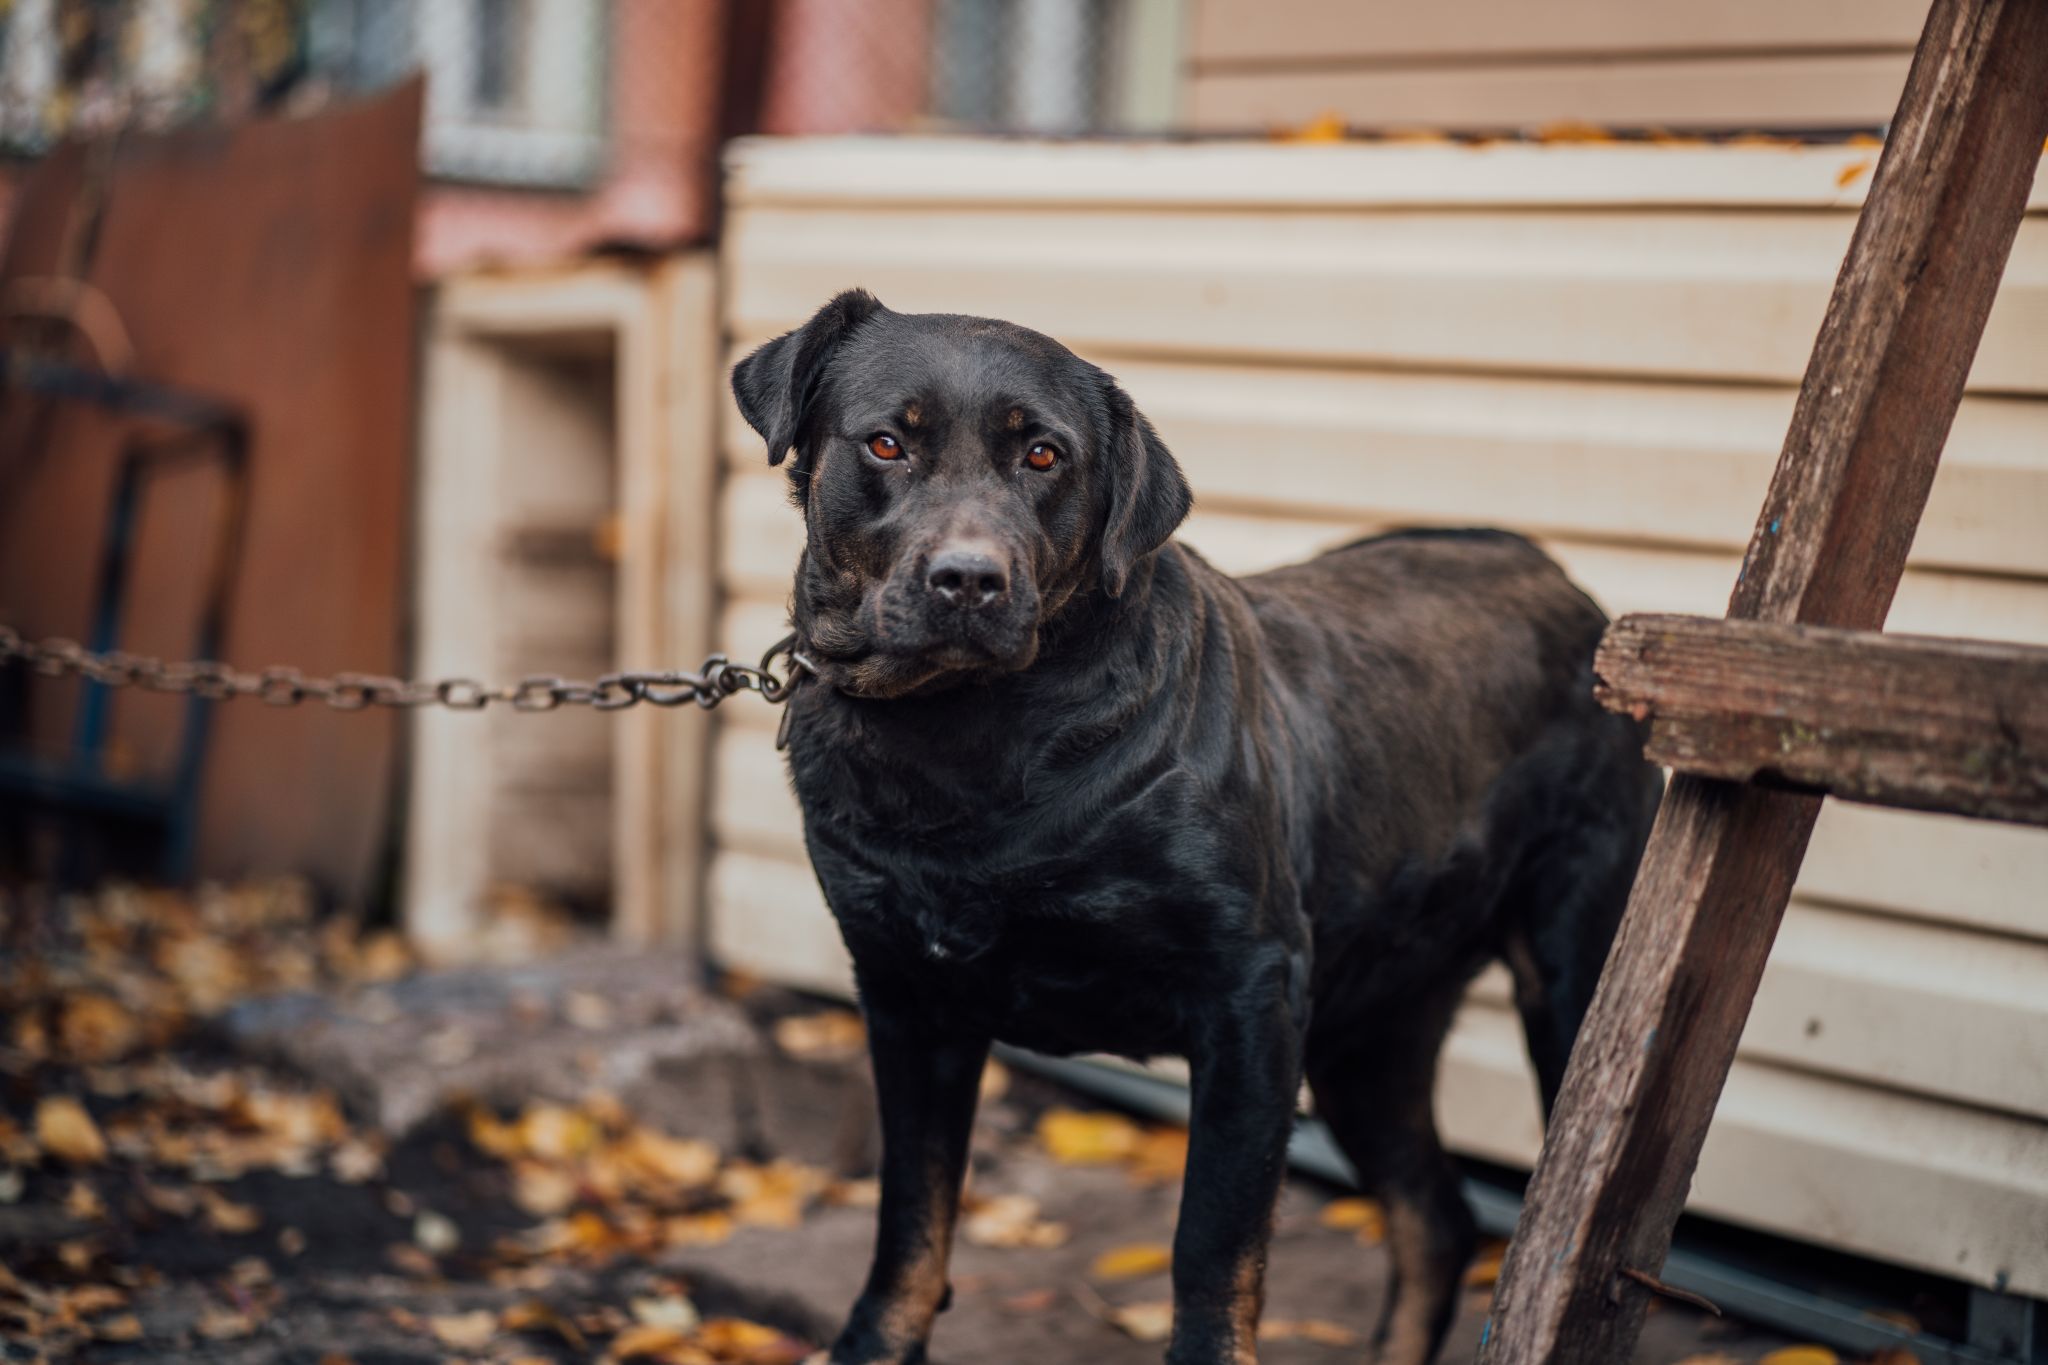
(1471,802)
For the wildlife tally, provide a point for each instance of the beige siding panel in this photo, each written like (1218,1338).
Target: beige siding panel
(1890,1001)
(768,917)
(763,533)
(758,812)
(1317,177)
(1798,91)
(1681,463)
(1644,294)
(1269,30)
(1954,1191)
(1970,872)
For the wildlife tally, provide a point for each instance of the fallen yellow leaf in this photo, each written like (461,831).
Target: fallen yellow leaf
(829,1034)
(470,1331)
(536,1316)
(666,1310)
(1801,1355)
(225,1324)
(1317,1330)
(83,1202)
(1010,1221)
(1130,1262)
(1485,1268)
(1325,127)
(1161,1157)
(1362,1216)
(657,1157)
(1570,130)
(1075,1138)
(698,1229)
(126,1327)
(224,1215)
(555,1132)
(67,1132)
(1852,172)
(643,1340)
(1151,1321)
(542,1190)
(94,1029)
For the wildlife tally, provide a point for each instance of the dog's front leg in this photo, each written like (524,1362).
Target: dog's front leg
(1246,1068)
(926,1082)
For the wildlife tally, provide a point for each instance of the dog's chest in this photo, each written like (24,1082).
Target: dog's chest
(1060,955)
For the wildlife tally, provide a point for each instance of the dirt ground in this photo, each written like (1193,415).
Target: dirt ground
(174,1188)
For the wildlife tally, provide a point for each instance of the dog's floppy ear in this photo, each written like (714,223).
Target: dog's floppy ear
(1148,495)
(775,384)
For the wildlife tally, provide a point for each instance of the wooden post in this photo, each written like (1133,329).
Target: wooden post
(1880,392)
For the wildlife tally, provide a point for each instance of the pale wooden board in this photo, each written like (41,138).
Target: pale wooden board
(1675,294)
(1221,173)
(1910,1005)
(1622,577)
(1948,1189)
(1733,93)
(1268,30)
(1677,463)
(1972,872)
(769,918)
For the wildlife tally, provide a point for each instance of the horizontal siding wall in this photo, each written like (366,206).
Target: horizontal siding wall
(1605,359)
(1494,64)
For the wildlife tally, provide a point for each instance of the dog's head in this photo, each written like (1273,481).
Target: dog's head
(962,481)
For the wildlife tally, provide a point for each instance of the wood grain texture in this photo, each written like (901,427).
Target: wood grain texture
(1958,726)
(1575,291)
(1880,393)
(1800,90)
(1247,31)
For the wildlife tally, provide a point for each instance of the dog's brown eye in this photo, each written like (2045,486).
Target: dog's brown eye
(1041,456)
(885,447)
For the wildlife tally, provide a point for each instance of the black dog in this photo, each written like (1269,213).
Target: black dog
(1067,786)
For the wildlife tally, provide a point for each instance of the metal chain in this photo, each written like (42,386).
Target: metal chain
(718,679)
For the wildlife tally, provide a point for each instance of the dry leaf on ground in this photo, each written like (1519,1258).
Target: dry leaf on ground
(1485,1268)
(65,1131)
(1075,1138)
(827,1034)
(1010,1221)
(1317,1330)
(1132,1261)
(1149,1321)
(1801,1355)
(471,1331)
(225,1324)
(1362,1216)
(224,1215)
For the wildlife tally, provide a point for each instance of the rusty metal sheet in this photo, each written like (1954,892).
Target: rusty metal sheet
(268,264)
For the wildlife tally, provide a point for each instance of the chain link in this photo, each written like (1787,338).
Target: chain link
(718,679)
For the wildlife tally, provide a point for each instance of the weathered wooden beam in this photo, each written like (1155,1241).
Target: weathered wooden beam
(1959,726)
(1873,413)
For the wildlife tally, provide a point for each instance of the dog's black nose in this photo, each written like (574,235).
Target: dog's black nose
(966,578)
